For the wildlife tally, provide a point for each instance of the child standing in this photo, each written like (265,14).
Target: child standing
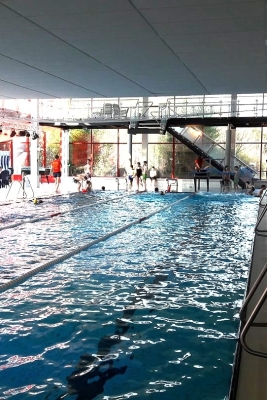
(144,176)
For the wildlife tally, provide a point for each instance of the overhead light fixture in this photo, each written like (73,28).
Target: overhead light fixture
(35,135)
(13,133)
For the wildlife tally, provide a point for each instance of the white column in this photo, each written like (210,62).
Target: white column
(227,159)
(234,111)
(145,135)
(65,151)
(130,148)
(144,147)
(233,147)
(34,145)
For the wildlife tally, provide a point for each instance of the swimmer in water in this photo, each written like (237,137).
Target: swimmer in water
(37,201)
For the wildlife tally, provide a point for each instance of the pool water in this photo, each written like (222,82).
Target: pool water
(149,313)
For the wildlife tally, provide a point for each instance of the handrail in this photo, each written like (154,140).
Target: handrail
(251,293)
(261,232)
(249,323)
(262,197)
(183,106)
(188,109)
(248,172)
(168,180)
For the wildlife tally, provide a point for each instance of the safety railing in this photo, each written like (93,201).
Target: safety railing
(258,231)
(222,108)
(250,321)
(172,182)
(73,110)
(182,108)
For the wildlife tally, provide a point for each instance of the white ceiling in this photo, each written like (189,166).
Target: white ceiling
(131,48)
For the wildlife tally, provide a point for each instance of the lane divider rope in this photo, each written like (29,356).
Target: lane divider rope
(22,278)
(32,220)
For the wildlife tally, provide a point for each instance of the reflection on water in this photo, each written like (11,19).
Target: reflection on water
(150,313)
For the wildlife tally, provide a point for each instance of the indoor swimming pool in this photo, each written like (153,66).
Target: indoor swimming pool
(149,308)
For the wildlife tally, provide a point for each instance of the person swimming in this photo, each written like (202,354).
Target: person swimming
(37,201)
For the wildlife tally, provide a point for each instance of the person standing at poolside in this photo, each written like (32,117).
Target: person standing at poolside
(56,170)
(138,175)
(153,177)
(130,177)
(88,169)
(144,176)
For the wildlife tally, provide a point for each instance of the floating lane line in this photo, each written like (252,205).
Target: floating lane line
(56,214)
(24,277)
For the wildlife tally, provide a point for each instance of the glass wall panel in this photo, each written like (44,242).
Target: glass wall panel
(160,156)
(123,135)
(184,161)
(105,135)
(136,153)
(249,153)
(123,159)
(248,135)
(105,159)
(137,138)
(157,138)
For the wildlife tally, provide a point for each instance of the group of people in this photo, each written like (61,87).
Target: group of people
(83,180)
(140,175)
(226,181)
(227,175)
(250,189)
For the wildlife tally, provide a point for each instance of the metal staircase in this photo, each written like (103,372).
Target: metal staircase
(203,145)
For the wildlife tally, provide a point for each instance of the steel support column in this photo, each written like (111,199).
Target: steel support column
(65,151)
(34,147)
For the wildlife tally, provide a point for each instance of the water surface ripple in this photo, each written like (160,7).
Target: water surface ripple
(151,313)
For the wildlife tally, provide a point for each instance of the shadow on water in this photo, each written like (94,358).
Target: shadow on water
(92,372)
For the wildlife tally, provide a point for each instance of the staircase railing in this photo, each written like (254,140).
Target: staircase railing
(203,144)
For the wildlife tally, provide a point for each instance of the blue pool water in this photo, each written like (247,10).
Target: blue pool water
(150,313)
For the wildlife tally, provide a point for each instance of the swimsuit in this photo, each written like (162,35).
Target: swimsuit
(138,172)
